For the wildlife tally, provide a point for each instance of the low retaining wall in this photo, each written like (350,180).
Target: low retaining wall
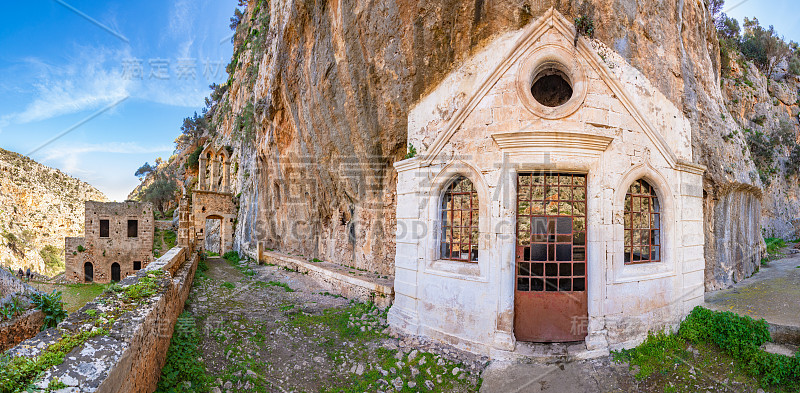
(350,283)
(20,329)
(130,357)
(24,326)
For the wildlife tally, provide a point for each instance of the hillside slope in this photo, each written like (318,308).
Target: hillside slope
(39,207)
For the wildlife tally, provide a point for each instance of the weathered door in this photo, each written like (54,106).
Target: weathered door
(115,273)
(88,272)
(550,299)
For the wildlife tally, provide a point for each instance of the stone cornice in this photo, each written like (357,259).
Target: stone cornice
(536,141)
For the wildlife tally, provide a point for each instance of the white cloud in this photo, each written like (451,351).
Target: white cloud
(90,81)
(63,152)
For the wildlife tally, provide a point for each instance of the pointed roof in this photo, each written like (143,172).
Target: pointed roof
(551,19)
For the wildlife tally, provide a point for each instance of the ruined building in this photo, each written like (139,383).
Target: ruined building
(117,242)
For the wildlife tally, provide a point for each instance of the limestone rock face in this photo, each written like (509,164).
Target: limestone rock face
(331,85)
(39,206)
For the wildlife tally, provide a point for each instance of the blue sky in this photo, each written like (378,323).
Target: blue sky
(57,68)
(783,14)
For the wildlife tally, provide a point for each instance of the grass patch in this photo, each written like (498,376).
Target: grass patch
(279,284)
(228,285)
(735,337)
(163,241)
(74,296)
(233,259)
(182,369)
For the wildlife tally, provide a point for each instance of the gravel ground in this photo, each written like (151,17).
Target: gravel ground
(270,330)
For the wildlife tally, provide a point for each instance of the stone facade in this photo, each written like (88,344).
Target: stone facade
(212,202)
(118,241)
(482,123)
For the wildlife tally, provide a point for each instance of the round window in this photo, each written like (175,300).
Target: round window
(551,82)
(551,88)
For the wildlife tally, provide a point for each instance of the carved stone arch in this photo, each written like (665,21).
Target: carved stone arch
(666,198)
(434,196)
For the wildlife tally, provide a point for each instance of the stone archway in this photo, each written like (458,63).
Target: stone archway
(216,206)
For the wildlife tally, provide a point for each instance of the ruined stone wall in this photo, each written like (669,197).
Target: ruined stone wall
(130,357)
(118,248)
(21,328)
(219,207)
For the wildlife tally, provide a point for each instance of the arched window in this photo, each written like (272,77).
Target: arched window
(642,224)
(460,221)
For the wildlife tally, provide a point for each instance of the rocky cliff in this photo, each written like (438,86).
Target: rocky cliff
(319,92)
(39,207)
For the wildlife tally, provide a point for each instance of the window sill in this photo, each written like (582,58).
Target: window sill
(643,271)
(468,271)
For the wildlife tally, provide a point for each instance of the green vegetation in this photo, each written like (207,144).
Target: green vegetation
(144,170)
(53,262)
(182,371)
(193,161)
(74,296)
(163,241)
(279,284)
(233,259)
(146,287)
(160,192)
(228,285)
(18,374)
(412,152)
(736,337)
(12,309)
(584,25)
(52,307)
(774,246)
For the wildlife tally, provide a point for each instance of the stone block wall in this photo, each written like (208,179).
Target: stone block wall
(20,329)
(23,326)
(117,247)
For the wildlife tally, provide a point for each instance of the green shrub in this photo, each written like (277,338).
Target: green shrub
(193,161)
(232,256)
(52,307)
(774,245)
(656,354)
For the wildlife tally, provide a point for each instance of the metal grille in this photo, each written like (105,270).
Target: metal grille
(551,232)
(460,221)
(642,224)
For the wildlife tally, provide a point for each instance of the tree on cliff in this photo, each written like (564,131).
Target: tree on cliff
(160,192)
(194,127)
(143,171)
(763,46)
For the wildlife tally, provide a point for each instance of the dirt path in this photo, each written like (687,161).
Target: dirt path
(773,293)
(266,329)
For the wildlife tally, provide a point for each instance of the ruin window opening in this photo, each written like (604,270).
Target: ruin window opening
(137,265)
(551,86)
(459,215)
(104,228)
(133,228)
(642,224)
